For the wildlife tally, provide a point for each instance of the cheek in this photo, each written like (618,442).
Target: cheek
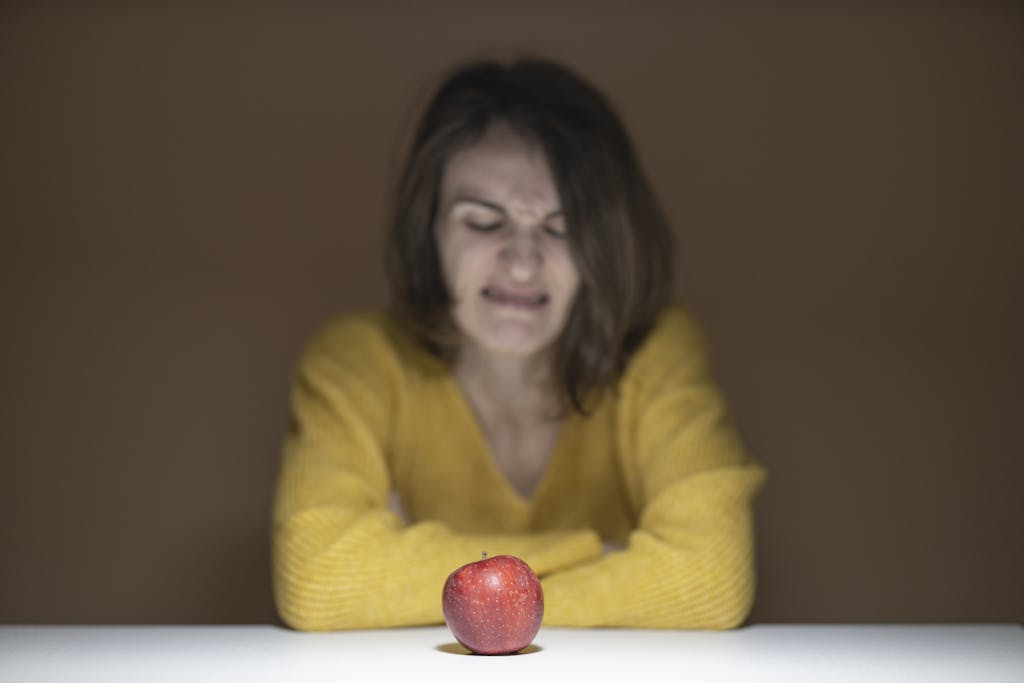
(565,271)
(465,263)
(450,252)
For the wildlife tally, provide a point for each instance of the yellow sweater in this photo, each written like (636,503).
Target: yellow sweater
(656,467)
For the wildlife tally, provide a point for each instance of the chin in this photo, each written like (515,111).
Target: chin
(509,332)
(514,344)
(513,338)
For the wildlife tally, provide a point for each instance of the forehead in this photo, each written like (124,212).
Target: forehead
(503,167)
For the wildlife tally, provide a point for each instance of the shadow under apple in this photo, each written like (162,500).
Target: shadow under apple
(457,649)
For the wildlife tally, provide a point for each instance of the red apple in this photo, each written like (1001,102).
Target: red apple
(493,606)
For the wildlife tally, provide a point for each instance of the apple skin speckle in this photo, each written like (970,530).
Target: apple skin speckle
(493,606)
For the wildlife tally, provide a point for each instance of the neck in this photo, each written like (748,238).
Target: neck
(509,387)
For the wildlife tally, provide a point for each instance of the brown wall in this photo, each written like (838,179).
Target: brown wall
(187,192)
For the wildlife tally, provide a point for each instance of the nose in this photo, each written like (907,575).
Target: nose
(521,256)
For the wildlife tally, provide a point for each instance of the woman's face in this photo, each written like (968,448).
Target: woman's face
(502,241)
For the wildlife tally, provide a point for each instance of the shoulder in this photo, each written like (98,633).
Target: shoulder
(676,343)
(365,342)
(361,329)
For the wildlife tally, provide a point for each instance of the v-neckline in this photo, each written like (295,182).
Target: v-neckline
(484,450)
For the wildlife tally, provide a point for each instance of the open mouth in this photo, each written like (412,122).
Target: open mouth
(515,299)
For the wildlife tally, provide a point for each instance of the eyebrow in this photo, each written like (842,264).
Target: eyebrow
(497,207)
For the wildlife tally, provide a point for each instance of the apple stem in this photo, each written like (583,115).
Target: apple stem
(483,555)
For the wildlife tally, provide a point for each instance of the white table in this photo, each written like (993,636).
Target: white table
(876,654)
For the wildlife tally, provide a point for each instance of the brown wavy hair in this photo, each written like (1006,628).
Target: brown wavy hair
(619,238)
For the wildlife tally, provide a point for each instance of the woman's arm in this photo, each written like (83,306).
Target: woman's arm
(690,562)
(342,558)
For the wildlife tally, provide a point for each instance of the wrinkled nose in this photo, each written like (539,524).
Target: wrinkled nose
(521,257)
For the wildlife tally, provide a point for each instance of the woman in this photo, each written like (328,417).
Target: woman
(530,394)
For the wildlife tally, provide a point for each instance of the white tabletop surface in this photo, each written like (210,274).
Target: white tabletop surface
(791,653)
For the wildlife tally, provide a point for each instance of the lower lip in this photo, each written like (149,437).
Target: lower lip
(516,303)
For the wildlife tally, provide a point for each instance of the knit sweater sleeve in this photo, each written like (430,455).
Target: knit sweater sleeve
(690,561)
(341,557)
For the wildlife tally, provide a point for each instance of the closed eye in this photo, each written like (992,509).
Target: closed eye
(483,226)
(556,231)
